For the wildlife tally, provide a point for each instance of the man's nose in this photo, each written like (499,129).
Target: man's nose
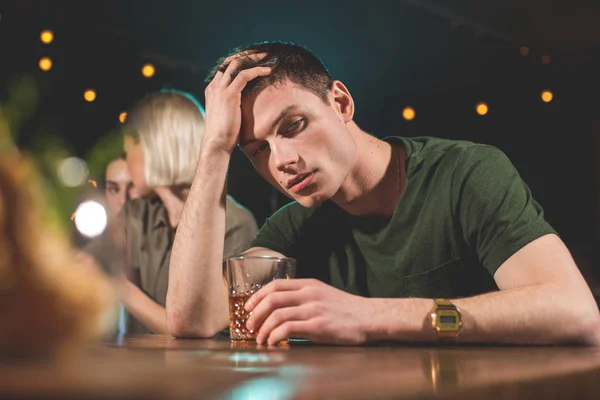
(283,156)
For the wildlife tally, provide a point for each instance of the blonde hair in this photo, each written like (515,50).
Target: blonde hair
(170,125)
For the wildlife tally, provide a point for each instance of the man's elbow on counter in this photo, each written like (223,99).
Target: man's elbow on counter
(591,333)
(183,328)
(585,325)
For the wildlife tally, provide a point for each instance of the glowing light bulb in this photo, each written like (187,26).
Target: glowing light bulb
(148,70)
(45,63)
(47,36)
(408,113)
(481,108)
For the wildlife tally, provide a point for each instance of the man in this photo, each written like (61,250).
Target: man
(382,227)
(118,187)
(162,139)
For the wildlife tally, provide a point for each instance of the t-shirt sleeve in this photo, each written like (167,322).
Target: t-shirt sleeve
(497,212)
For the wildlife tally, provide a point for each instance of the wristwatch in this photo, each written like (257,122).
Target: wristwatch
(446,319)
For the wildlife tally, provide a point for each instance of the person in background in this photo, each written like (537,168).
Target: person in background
(118,186)
(162,138)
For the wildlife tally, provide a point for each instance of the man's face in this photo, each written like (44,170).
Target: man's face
(135,163)
(297,142)
(119,187)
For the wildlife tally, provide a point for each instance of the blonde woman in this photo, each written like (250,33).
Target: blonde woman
(162,139)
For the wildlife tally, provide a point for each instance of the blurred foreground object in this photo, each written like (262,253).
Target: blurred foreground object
(51,302)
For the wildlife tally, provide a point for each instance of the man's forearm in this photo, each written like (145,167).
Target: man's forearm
(151,314)
(539,314)
(197,297)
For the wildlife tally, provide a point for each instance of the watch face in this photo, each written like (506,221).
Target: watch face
(448,320)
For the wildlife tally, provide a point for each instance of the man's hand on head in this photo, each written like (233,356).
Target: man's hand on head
(223,102)
(310,309)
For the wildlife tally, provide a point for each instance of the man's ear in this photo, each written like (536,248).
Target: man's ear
(342,101)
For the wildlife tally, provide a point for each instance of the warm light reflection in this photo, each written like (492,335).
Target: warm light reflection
(148,70)
(546,59)
(481,108)
(46,36)
(123,117)
(45,63)
(89,95)
(547,96)
(524,50)
(408,113)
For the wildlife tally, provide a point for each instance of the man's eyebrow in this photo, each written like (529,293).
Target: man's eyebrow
(283,114)
(277,120)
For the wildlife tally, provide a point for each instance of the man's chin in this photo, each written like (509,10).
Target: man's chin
(311,201)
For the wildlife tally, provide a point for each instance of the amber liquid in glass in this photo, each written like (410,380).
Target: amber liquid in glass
(238,317)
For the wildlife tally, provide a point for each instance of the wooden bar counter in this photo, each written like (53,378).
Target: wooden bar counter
(161,367)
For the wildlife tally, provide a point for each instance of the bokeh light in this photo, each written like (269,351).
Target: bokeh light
(89,95)
(481,108)
(90,218)
(72,171)
(547,96)
(47,36)
(546,59)
(408,113)
(524,50)
(45,63)
(123,116)
(148,70)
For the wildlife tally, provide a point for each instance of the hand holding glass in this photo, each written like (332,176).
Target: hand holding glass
(245,275)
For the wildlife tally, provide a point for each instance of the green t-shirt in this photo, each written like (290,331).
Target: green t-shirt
(464,211)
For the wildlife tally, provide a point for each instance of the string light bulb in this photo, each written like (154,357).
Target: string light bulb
(148,70)
(47,36)
(481,108)
(45,63)
(408,113)
(89,95)
(547,96)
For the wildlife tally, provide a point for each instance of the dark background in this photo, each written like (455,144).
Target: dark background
(440,57)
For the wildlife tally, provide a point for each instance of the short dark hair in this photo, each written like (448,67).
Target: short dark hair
(288,61)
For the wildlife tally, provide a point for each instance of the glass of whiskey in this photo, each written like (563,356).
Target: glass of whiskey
(245,276)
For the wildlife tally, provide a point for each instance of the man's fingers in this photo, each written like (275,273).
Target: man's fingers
(282,316)
(288,329)
(246,76)
(231,64)
(270,305)
(253,54)
(226,79)
(275,286)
